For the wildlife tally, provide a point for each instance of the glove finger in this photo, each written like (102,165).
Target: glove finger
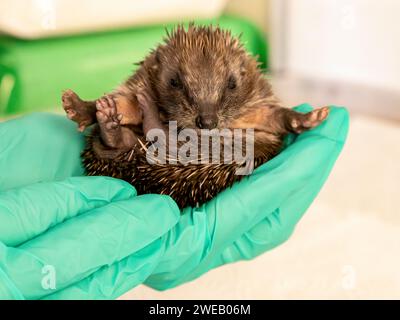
(38,147)
(79,247)
(29,211)
(110,282)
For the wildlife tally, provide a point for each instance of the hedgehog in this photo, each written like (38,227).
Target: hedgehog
(200,78)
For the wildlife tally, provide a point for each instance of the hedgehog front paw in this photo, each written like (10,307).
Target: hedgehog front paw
(150,113)
(309,120)
(106,114)
(146,104)
(76,109)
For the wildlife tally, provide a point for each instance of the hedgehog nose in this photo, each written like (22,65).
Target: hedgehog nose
(206,122)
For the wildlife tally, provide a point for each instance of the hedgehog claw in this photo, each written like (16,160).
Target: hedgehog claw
(107,113)
(77,110)
(309,120)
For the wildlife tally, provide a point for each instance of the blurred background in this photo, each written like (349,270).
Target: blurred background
(331,52)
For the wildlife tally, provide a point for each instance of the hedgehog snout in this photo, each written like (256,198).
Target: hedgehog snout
(206,121)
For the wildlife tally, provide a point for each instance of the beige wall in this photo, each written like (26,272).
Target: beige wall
(346,40)
(254,10)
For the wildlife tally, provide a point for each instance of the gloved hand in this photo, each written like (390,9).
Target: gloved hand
(98,239)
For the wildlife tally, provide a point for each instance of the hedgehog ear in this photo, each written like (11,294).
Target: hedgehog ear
(157,56)
(242,69)
(156,63)
(153,62)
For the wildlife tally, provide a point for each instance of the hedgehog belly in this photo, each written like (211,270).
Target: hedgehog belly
(189,185)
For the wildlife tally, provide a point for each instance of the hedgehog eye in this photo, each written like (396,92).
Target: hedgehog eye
(175,83)
(231,83)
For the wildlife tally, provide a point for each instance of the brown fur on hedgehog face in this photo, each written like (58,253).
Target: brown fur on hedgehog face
(203,78)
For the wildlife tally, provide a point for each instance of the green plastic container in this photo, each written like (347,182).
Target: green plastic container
(34,73)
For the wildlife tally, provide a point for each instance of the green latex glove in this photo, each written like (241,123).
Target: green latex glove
(102,239)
